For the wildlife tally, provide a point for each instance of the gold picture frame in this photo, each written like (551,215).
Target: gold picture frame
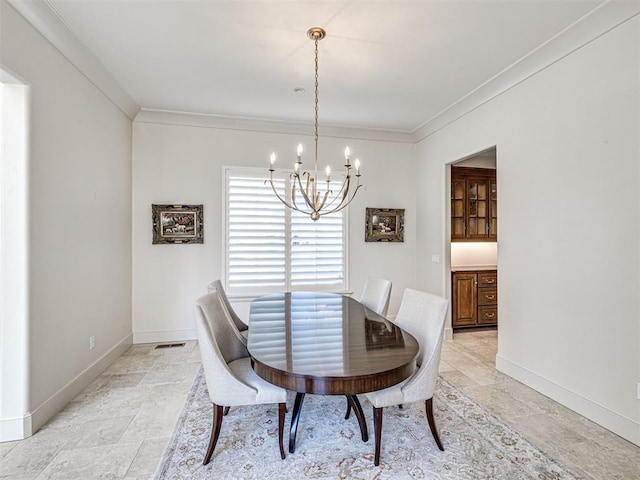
(177,224)
(384,225)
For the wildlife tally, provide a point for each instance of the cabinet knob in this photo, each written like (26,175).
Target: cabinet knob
(490,315)
(490,297)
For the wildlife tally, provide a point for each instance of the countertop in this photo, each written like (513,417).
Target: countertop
(465,268)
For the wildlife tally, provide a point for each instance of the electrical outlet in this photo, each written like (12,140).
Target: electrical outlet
(638,392)
(92,342)
(435,258)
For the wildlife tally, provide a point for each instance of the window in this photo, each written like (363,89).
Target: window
(269,248)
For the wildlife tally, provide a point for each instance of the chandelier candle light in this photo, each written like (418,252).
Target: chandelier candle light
(317,202)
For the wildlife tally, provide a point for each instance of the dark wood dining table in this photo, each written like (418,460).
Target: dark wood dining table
(326,344)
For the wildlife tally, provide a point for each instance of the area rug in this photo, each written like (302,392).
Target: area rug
(477,444)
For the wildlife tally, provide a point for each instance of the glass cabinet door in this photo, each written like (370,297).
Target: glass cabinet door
(474,200)
(477,208)
(457,208)
(493,206)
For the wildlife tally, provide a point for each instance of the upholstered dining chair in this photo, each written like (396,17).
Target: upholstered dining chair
(375,295)
(227,368)
(422,315)
(241,329)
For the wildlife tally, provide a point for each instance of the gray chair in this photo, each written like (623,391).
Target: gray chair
(422,315)
(375,295)
(240,327)
(227,368)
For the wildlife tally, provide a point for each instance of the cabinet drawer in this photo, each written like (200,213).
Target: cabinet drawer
(488,296)
(489,279)
(487,315)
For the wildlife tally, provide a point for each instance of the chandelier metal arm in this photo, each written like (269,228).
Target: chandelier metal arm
(292,207)
(293,194)
(344,189)
(320,206)
(343,204)
(305,191)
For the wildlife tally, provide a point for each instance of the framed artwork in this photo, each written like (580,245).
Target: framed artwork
(384,225)
(177,223)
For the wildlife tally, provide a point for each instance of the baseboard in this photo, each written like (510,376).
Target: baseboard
(448,333)
(15,428)
(627,428)
(56,402)
(165,336)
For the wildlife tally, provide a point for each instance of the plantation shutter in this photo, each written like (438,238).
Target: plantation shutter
(256,235)
(317,251)
(270,248)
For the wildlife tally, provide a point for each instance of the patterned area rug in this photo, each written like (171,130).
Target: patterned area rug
(477,444)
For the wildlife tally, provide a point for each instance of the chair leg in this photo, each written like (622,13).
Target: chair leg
(432,424)
(346,416)
(282,410)
(377,426)
(215,431)
(226,411)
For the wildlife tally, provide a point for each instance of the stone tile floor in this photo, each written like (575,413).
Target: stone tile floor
(118,427)
(468,362)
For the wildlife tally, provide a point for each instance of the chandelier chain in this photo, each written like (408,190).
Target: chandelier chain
(316,95)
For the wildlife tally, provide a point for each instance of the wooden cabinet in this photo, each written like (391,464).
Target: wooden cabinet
(475,298)
(474,212)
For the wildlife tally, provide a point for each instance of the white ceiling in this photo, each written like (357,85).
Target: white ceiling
(389,65)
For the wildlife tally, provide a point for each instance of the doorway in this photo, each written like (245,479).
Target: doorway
(473,242)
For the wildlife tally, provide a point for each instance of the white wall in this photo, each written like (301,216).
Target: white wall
(184,164)
(79,212)
(567,157)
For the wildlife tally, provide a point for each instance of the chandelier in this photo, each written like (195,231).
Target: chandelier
(317,200)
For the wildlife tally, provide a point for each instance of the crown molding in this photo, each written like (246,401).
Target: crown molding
(267,126)
(46,20)
(590,27)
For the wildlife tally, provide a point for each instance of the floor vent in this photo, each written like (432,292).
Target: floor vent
(170,345)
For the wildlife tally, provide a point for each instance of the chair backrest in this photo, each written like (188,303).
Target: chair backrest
(219,346)
(212,309)
(423,315)
(217,285)
(375,295)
